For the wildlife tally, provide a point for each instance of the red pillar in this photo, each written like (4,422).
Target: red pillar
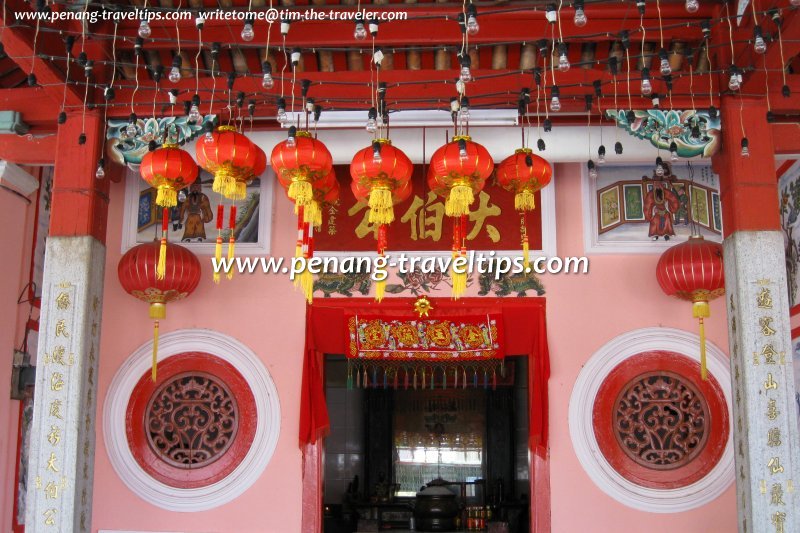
(748,189)
(80,201)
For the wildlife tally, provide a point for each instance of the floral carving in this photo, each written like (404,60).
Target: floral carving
(661,420)
(191,420)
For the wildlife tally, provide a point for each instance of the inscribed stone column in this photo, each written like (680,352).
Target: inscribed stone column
(766,442)
(61,462)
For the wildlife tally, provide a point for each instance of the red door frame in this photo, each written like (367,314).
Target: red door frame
(538,458)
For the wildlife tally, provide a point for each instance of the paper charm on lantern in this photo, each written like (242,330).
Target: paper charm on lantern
(381,177)
(524,174)
(229,156)
(137,275)
(167,169)
(458,171)
(693,271)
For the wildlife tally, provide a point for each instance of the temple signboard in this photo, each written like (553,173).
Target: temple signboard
(420,222)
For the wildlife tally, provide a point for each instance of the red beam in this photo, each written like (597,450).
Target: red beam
(27,100)
(18,43)
(786,138)
(28,150)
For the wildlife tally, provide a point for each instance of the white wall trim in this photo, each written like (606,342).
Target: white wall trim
(268,415)
(581,428)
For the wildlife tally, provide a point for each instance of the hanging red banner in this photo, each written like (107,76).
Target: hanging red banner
(420,222)
(463,338)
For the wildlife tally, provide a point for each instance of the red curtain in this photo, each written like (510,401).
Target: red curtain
(326,332)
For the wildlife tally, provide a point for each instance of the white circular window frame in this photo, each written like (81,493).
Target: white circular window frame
(581,427)
(268,414)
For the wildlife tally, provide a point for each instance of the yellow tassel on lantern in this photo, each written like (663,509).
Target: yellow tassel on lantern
(307,285)
(158,311)
(524,201)
(300,191)
(312,213)
(166,197)
(459,279)
(380,204)
(238,190)
(526,253)
(161,267)
(223,180)
(231,248)
(700,311)
(458,201)
(380,290)
(218,256)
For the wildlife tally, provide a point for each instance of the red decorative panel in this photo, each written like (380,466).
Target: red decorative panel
(193,426)
(657,423)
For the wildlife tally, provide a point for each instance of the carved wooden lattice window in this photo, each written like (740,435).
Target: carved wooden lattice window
(661,420)
(191,420)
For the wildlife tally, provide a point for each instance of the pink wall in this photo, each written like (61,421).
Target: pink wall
(584,312)
(16,216)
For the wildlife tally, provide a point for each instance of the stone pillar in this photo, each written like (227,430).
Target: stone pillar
(766,442)
(61,462)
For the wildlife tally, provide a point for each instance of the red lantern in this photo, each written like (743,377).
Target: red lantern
(168,169)
(137,275)
(524,174)
(382,170)
(693,271)
(298,162)
(230,156)
(459,170)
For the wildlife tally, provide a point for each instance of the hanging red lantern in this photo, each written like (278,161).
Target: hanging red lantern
(168,169)
(229,156)
(459,170)
(524,174)
(382,170)
(137,275)
(693,271)
(299,161)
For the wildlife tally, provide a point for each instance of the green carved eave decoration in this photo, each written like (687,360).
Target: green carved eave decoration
(129,150)
(696,133)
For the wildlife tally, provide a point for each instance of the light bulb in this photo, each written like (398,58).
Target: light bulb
(291,142)
(673,151)
(745,147)
(666,70)
(360,32)
(759,45)
(175,75)
(647,87)
(733,83)
(130,129)
(601,158)
(372,125)
(472,25)
(144,29)
(692,6)
(555,104)
(376,157)
(659,170)
(247,32)
(209,138)
(194,114)
(466,75)
(182,195)
(563,63)
(580,20)
(267,82)
(460,87)
(462,154)
(282,118)
(464,113)
(592,170)
(100,174)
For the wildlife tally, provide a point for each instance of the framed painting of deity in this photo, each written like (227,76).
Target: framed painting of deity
(624,202)
(193,222)
(699,199)
(634,202)
(609,208)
